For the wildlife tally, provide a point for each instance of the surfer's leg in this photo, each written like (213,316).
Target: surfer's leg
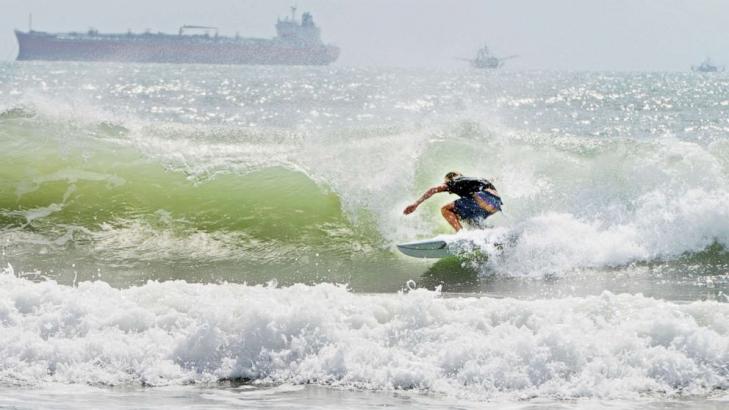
(449,213)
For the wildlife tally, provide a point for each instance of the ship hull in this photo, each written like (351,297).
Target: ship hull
(48,47)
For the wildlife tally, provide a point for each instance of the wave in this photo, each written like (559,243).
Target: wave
(97,183)
(606,346)
(571,202)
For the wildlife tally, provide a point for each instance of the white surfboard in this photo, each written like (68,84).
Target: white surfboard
(431,248)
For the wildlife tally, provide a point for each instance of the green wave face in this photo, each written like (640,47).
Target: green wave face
(101,205)
(273,203)
(48,186)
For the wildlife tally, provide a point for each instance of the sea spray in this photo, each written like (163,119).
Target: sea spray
(605,346)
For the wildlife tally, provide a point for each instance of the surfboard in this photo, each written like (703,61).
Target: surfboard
(431,248)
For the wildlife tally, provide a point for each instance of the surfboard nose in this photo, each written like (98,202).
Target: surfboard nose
(425,249)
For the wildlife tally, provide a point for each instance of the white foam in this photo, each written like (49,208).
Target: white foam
(607,346)
(620,202)
(661,227)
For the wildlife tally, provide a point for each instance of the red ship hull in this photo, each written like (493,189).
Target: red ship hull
(161,48)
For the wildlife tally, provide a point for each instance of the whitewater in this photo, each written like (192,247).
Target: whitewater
(185,236)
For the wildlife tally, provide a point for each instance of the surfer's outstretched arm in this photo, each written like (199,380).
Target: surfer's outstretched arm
(434,190)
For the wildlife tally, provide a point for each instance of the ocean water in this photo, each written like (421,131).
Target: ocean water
(212,236)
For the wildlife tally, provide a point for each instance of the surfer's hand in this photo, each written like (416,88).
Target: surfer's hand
(409,209)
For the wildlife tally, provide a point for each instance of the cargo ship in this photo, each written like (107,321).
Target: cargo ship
(297,42)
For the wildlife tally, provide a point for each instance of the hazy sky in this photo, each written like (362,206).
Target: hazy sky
(546,34)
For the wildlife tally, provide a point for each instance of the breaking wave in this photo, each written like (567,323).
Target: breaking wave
(170,190)
(171,333)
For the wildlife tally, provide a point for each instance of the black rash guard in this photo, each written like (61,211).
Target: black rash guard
(466,186)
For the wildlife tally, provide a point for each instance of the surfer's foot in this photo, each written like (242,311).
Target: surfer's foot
(450,215)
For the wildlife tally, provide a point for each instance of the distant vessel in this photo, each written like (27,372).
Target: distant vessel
(707,67)
(297,43)
(484,59)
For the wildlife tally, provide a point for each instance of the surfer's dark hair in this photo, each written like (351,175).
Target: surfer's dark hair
(449,176)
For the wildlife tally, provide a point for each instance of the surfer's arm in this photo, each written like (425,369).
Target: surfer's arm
(434,190)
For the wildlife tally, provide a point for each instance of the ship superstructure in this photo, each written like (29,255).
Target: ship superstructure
(707,66)
(484,59)
(298,42)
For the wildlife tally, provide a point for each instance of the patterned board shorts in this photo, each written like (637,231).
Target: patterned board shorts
(481,205)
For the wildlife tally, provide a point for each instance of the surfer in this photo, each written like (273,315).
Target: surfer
(478,199)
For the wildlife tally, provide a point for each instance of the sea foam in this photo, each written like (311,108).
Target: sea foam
(606,346)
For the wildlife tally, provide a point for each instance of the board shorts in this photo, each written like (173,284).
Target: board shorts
(481,205)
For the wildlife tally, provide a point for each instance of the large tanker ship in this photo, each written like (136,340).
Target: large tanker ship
(298,42)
